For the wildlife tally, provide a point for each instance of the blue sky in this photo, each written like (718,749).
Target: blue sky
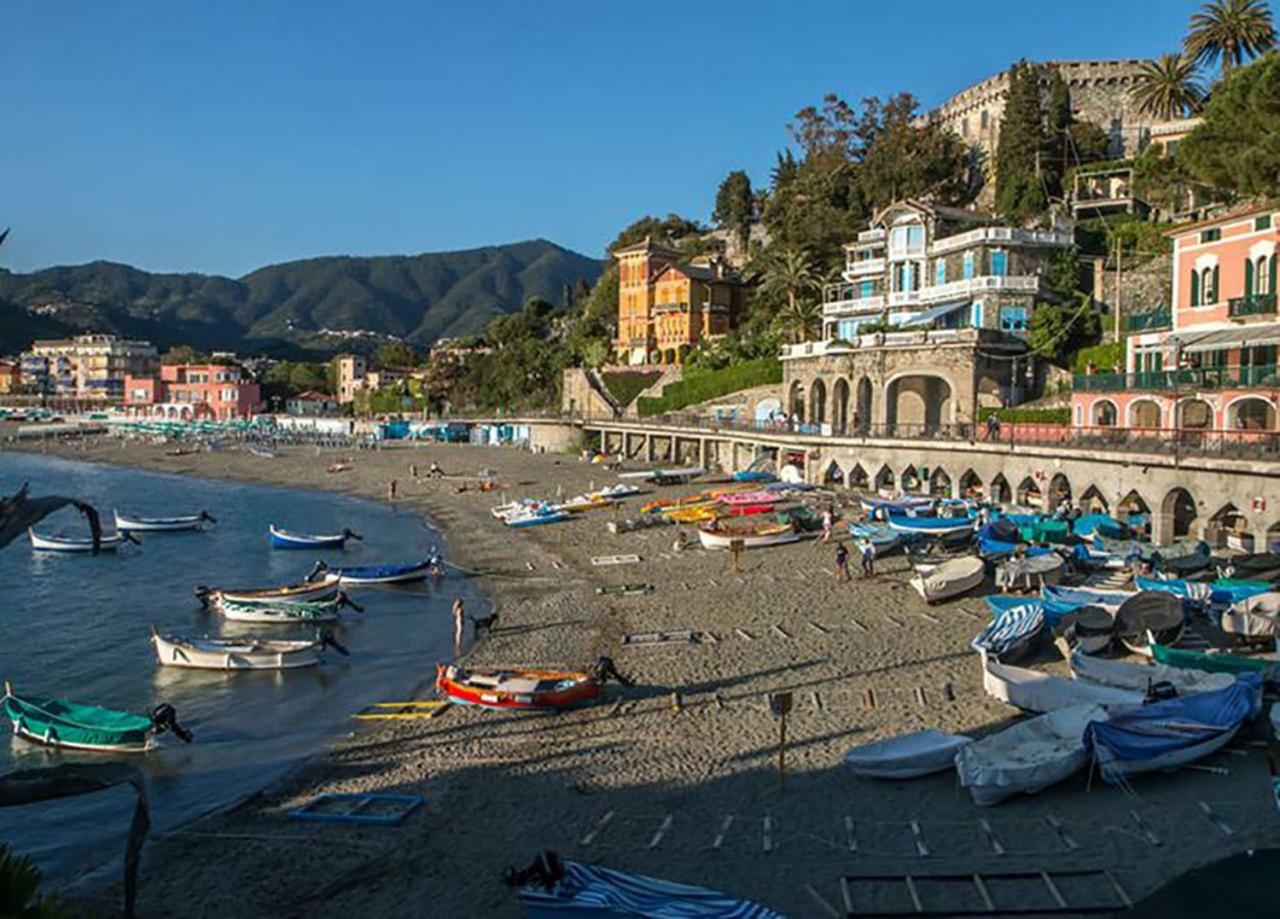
(223,136)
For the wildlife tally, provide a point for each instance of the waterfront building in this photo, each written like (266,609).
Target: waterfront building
(352,369)
(667,306)
(10,376)
(311,404)
(927,324)
(216,392)
(1210,363)
(87,366)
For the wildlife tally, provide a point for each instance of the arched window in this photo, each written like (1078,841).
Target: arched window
(1195,287)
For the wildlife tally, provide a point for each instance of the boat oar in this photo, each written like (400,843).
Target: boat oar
(328,641)
(165,718)
(343,600)
(208,517)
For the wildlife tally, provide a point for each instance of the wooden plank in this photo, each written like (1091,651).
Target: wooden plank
(996,847)
(1053,889)
(920,699)
(1120,891)
(743,634)
(780,631)
(921,849)
(869,698)
(662,831)
(599,560)
(898,622)
(847,896)
(768,834)
(1223,827)
(724,828)
(982,892)
(596,830)
(850,836)
(817,628)
(817,700)
(1057,827)
(915,894)
(821,901)
(859,626)
(932,618)
(1143,829)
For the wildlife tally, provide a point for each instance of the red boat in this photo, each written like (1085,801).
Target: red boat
(517,687)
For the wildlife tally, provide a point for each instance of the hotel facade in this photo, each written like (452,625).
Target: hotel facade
(86,366)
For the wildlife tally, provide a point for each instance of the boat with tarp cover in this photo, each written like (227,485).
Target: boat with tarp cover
(76,726)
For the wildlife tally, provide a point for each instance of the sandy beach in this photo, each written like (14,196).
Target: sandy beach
(687,791)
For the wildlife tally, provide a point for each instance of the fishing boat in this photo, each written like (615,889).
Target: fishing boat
(1027,757)
(133,524)
(1088,525)
(695,513)
(1150,616)
(1033,691)
(245,652)
(1030,572)
(1182,557)
(1267,665)
(286,539)
(666,476)
(906,756)
(1014,628)
(75,726)
(881,535)
(1061,601)
(930,526)
(1143,677)
(397,573)
(754,534)
(536,516)
(320,588)
(1091,627)
(948,579)
(108,542)
(1254,618)
(1173,732)
(905,506)
(551,887)
(524,687)
(286,612)
(746,501)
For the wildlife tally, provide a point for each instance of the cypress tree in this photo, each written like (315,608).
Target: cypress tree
(1019,192)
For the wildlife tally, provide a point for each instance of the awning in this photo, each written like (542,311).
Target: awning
(935,312)
(1255,335)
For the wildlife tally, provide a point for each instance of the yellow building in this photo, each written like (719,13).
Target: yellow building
(666,307)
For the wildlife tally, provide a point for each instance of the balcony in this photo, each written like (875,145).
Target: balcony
(1023,284)
(1006,235)
(1149,322)
(865,267)
(1262,376)
(917,338)
(904,298)
(853,307)
(661,308)
(1252,305)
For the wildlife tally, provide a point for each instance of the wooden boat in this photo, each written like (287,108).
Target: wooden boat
(1253,619)
(128,524)
(881,535)
(949,578)
(906,756)
(741,500)
(75,726)
(1267,665)
(1030,572)
(320,588)
(1015,627)
(1033,691)
(516,687)
(720,534)
(285,539)
(536,516)
(1141,677)
(1173,732)
(396,573)
(696,513)
(1149,616)
(1027,757)
(240,652)
(286,612)
(109,542)
(931,526)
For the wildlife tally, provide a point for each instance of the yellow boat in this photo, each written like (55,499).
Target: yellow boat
(700,513)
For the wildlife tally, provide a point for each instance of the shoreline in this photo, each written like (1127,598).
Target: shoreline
(633,783)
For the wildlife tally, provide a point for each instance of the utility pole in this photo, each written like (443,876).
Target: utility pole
(1119,294)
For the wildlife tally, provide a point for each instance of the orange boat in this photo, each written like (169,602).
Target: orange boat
(520,687)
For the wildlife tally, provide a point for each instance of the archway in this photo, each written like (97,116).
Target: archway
(1028,493)
(817,403)
(795,402)
(840,406)
(1133,503)
(1227,521)
(1145,413)
(1104,414)
(862,407)
(940,483)
(910,480)
(1092,500)
(1179,512)
(669,356)
(1195,415)
(833,475)
(1059,489)
(971,485)
(918,402)
(884,479)
(1001,493)
(1273,540)
(1252,413)
(858,477)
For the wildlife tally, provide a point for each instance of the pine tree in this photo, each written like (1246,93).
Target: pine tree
(1019,188)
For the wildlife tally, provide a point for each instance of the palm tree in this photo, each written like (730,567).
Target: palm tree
(1233,30)
(1167,88)
(791,273)
(801,319)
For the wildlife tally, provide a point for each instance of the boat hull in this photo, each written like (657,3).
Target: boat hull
(280,613)
(579,691)
(711,539)
(235,656)
(40,721)
(108,543)
(384,574)
(159,524)
(283,539)
(324,589)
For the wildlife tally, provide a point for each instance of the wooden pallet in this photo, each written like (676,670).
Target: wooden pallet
(1024,893)
(372,809)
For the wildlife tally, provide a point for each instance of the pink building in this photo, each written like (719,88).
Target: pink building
(1209,364)
(188,392)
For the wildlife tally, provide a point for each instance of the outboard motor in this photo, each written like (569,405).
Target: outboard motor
(202,594)
(319,569)
(344,600)
(605,670)
(208,517)
(328,641)
(165,717)
(1160,692)
(352,534)
(546,871)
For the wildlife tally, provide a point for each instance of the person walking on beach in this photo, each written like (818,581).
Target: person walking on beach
(828,520)
(842,563)
(868,557)
(459,626)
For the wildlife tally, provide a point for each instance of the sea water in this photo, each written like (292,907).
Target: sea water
(78,626)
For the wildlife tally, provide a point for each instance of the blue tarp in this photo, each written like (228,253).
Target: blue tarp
(1014,625)
(1148,731)
(606,893)
(1224,592)
(1058,601)
(1101,524)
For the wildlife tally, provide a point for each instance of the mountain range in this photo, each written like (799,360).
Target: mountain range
(318,305)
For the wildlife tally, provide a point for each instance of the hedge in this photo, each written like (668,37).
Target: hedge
(625,385)
(1104,357)
(1027,415)
(711,384)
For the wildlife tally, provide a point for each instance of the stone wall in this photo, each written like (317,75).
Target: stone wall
(1143,285)
(579,397)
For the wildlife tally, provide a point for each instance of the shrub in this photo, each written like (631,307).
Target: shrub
(1104,357)
(625,385)
(711,384)
(1027,415)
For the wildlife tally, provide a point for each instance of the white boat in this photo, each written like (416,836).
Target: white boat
(1030,572)
(1138,677)
(721,534)
(108,542)
(1256,617)
(285,612)
(1275,720)
(323,587)
(1033,691)
(948,579)
(126,524)
(682,474)
(239,653)
(906,756)
(1027,757)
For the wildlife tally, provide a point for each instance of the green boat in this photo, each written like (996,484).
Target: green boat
(59,723)
(1045,530)
(1212,663)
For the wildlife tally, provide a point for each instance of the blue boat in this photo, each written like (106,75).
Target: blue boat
(1223,592)
(754,475)
(1168,734)
(398,573)
(881,536)
(1100,525)
(1059,601)
(931,526)
(1016,624)
(552,888)
(284,539)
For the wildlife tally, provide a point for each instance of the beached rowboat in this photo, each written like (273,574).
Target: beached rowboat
(949,578)
(240,653)
(75,726)
(720,534)
(109,542)
(1141,677)
(130,524)
(931,526)
(1215,663)
(517,687)
(285,539)
(906,756)
(1033,691)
